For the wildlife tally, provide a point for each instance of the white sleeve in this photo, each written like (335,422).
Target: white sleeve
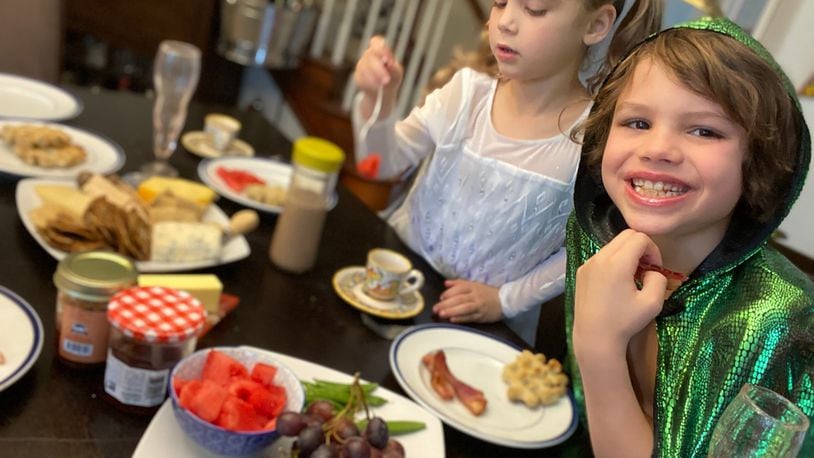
(403,144)
(539,285)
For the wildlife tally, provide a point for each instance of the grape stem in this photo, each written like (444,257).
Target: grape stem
(356,402)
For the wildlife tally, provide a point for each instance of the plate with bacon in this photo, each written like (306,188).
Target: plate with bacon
(457,373)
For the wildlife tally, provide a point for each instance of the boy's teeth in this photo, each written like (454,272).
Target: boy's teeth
(657,189)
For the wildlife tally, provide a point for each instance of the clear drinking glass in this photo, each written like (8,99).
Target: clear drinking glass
(759,422)
(176,71)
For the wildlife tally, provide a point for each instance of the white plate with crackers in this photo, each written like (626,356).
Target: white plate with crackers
(276,176)
(28,98)
(21,337)
(478,359)
(49,150)
(234,248)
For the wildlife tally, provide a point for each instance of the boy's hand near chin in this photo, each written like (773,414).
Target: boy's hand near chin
(609,308)
(467,301)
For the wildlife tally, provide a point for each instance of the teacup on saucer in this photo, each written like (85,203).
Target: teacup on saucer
(200,143)
(348,283)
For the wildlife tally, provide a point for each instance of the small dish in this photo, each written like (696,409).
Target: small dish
(348,284)
(199,143)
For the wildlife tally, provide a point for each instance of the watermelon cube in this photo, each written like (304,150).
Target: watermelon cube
(238,415)
(222,369)
(264,374)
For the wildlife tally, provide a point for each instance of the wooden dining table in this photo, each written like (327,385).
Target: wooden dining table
(59,410)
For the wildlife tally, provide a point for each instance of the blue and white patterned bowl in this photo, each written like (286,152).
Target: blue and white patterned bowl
(220,440)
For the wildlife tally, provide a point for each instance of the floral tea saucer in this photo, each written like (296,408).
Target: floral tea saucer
(200,144)
(348,284)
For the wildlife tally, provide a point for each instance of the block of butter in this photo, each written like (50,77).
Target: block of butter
(205,287)
(186,189)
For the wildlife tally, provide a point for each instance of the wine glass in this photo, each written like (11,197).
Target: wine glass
(759,422)
(176,71)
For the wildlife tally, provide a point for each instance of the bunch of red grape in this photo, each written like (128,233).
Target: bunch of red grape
(322,433)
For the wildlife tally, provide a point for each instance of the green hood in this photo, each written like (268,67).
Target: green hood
(746,315)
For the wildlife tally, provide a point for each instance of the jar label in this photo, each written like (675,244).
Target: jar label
(83,334)
(134,386)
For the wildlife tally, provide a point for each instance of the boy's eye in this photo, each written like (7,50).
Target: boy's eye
(498,4)
(704,132)
(533,12)
(637,124)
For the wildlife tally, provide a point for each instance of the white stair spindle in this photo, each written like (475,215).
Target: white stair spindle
(765,18)
(325,14)
(394,21)
(432,51)
(406,30)
(370,24)
(341,45)
(405,95)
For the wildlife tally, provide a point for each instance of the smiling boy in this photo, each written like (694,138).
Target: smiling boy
(694,153)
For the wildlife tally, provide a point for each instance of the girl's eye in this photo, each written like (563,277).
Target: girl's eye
(498,4)
(536,12)
(704,132)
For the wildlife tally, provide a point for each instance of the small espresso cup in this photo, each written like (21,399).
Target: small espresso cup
(389,274)
(222,129)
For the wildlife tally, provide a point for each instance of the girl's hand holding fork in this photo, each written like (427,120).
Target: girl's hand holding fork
(378,68)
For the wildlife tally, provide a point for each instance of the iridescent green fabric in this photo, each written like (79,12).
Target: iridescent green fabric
(746,315)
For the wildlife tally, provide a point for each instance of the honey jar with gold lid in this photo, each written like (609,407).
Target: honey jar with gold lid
(85,283)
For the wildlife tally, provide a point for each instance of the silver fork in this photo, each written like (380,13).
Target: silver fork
(374,116)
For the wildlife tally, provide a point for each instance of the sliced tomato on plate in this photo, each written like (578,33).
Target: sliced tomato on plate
(237,179)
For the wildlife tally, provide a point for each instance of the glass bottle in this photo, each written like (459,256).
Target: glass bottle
(296,238)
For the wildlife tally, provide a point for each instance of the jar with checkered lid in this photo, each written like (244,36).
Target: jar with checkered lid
(151,329)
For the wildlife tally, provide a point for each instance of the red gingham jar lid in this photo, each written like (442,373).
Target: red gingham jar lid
(156,314)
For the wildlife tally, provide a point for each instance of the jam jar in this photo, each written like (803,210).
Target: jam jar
(151,329)
(85,283)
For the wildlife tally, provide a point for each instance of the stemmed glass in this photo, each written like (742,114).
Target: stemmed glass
(176,71)
(759,422)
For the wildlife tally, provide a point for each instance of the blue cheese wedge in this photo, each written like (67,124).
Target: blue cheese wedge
(174,241)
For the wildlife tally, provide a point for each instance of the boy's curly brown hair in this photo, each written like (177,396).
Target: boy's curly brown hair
(727,72)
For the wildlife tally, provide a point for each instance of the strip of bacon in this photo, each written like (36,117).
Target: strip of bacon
(440,384)
(674,279)
(442,381)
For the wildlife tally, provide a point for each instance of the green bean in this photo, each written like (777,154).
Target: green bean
(339,392)
(396,427)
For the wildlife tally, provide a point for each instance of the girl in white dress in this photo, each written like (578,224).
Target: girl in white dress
(488,211)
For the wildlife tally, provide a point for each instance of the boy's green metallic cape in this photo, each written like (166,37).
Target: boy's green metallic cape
(746,315)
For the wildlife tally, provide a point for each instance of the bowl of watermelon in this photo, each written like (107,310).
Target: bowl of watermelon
(227,399)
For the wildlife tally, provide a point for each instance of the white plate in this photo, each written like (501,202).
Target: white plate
(234,249)
(274,173)
(31,99)
(164,436)
(20,337)
(477,359)
(103,155)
